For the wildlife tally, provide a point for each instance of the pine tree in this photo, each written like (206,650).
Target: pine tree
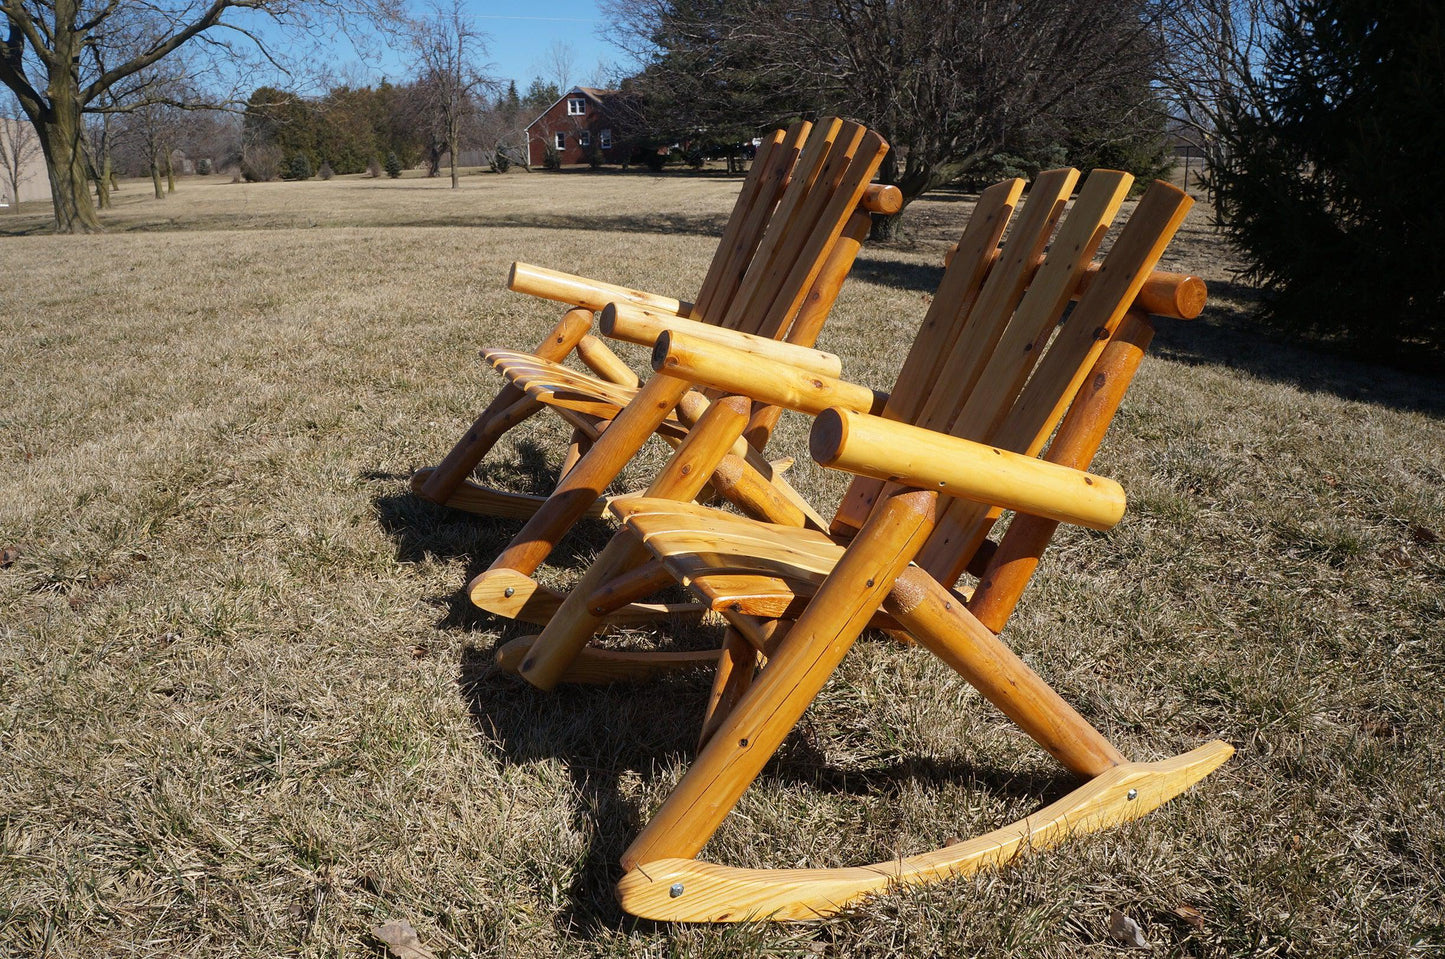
(1321,187)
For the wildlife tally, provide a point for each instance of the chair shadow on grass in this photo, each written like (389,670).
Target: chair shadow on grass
(605,733)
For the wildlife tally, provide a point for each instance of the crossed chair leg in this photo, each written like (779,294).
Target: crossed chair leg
(663,881)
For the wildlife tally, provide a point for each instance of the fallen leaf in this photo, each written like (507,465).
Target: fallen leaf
(8,556)
(1190,915)
(418,652)
(401,940)
(1424,534)
(1125,930)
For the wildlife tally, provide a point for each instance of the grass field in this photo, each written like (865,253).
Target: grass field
(245,709)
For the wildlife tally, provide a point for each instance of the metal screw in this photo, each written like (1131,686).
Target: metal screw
(1133,795)
(676,890)
(508,592)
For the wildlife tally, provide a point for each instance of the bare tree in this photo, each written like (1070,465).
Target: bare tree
(948,82)
(449,47)
(559,65)
(19,146)
(1215,55)
(45,60)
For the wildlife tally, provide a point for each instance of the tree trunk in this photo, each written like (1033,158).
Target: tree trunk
(156,176)
(62,141)
(170,173)
(107,181)
(453,147)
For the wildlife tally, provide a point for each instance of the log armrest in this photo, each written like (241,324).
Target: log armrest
(585,292)
(897,452)
(759,378)
(637,324)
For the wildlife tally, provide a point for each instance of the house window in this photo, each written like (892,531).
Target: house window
(584,139)
(560,141)
(604,139)
(576,106)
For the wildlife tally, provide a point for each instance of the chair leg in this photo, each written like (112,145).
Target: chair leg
(946,628)
(581,487)
(736,664)
(574,623)
(509,408)
(795,673)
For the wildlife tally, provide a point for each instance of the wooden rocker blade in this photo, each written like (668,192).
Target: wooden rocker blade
(687,890)
(599,667)
(472,497)
(506,592)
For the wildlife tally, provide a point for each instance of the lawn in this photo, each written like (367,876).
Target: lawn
(245,709)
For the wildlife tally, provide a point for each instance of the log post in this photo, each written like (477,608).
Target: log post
(795,673)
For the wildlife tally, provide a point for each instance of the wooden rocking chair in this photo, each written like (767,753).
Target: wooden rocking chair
(790,242)
(989,380)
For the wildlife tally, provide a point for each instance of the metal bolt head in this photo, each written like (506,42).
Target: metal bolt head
(508,592)
(675,890)
(1132,795)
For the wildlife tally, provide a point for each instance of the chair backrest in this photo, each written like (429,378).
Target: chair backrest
(774,273)
(804,185)
(1000,356)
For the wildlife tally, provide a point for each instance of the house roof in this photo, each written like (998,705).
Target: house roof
(591,92)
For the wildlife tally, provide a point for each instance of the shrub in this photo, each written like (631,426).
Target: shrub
(393,165)
(203,167)
(260,164)
(299,168)
(373,167)
(325,172)
(501,163)
(595,159)
(654,160)
(551,158)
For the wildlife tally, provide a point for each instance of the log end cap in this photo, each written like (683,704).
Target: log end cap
(828,435)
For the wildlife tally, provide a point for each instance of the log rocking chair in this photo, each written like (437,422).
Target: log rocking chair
(795,229)
(1002,364)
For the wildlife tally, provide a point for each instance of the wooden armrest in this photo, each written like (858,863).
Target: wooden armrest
(636,324)
(756,377)
(584,292)
(897,452)
(881,198)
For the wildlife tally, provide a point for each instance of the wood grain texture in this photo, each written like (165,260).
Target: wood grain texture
(637,325)
(506,592)
(712,893)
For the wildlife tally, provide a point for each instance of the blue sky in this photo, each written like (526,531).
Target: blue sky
(519,42)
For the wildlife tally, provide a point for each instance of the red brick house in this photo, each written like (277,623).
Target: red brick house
(575,125)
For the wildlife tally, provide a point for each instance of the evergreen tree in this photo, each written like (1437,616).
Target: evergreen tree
(1321,183)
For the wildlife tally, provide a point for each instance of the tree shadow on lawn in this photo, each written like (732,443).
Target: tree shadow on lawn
(1221,337)
(680,224)
(603,733)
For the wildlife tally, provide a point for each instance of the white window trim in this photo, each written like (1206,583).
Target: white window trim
(576,106)
(584,139)
(559,140)
(604,140)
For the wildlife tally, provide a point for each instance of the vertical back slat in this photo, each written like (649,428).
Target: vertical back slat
(766,180)
(1060,373)
(962,281)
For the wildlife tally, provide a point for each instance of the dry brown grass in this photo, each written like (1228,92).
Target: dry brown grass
(244,709)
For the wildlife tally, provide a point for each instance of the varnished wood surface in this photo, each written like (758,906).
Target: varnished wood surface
(686,890)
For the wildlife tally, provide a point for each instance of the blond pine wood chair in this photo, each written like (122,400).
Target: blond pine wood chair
(790,241)
(993,375)
(797,262)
